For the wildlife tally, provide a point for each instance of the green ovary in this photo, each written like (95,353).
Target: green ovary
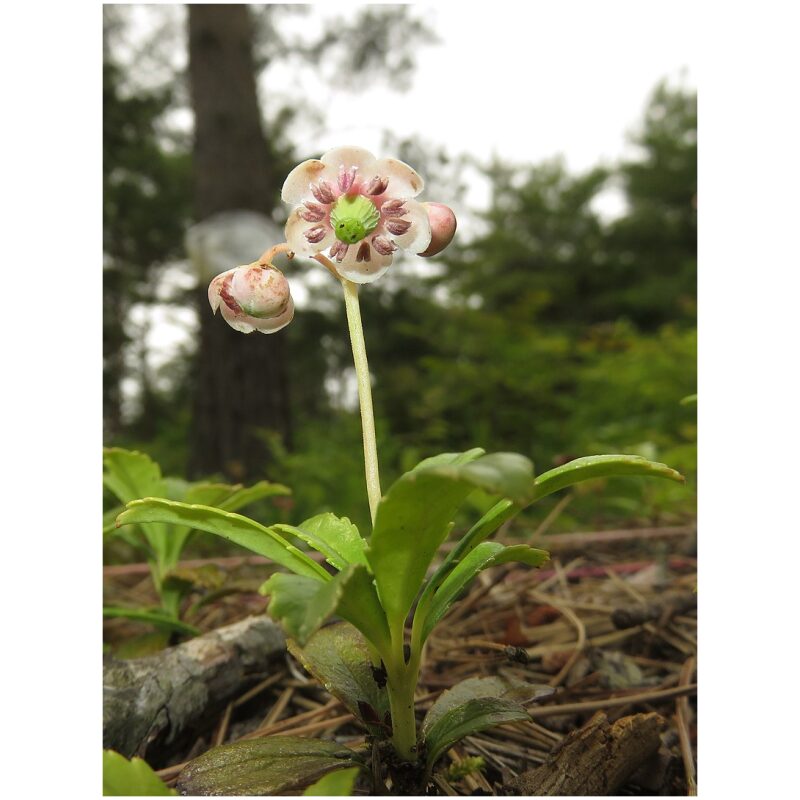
(352,218)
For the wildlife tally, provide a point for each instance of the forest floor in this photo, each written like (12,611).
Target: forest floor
(610,623)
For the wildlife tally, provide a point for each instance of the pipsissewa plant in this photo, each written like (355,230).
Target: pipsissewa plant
(128,475)
(361,211)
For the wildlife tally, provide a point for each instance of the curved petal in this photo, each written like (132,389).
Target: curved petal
(276,323)
(348,157)
(214,288)
(296,226)
(239,322)
(296,186)
(418,236)
(363,271)
(403,180)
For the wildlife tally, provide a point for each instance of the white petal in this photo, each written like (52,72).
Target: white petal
(348,157)
(403,180)
(418,236)
(239,323)
(296,226)
(276,323)
(363,271)
(214,288)
(296,186)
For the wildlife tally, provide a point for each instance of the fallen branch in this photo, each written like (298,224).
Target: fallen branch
(153,705)
(597,759)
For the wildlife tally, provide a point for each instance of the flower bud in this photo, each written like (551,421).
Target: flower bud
(252,298)
(443,227)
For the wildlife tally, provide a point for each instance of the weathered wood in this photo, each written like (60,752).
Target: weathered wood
(597,759)
(152,706)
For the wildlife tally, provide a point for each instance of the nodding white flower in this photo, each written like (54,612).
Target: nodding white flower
(359,208)
(252,298)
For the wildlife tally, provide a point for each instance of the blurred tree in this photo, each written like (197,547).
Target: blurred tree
(240,382)
(651,273)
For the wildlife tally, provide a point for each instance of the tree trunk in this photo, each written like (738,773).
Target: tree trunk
(240,381)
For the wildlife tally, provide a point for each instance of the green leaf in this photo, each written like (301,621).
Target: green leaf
(238,529)
(244,495)
(123,778)
(339,534)
(109,518)
(334,784)
(485,555)
(450,459)
(465,720)
(339,658)
(302,604)
(473,706)
(583,469)
(336,538)
(218,495)
(415,515)
(268,766)
(130,474)
(154,616)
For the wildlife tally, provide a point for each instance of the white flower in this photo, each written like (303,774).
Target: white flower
(252,298)
(359,208)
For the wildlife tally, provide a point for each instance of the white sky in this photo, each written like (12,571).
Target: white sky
(525,81)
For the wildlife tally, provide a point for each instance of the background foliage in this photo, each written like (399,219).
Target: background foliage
(549,329)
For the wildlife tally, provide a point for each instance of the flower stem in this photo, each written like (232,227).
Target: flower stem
(364,395)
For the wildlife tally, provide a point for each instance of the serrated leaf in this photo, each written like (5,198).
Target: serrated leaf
(134,778)
(485,555)
(339,658)
(268,766)
(334,784)
(302,605)
(236,528)
(414,516)
(130,474)
(153,616)
(338,533)
(583,469)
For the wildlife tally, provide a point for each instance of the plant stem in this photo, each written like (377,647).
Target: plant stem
(364,395)
(401,686)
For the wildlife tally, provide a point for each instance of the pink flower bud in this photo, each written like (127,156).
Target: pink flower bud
(443,227)
(252,298)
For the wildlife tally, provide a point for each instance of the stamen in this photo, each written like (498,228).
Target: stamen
(383,245)
(376,186)
(313,212)
(363,253)
(339,249)
(323,191)
(316,234)
(346,178)
(397,226)
(393,208)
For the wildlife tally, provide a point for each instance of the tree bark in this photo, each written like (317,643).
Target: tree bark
(595,760)
(240,382)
